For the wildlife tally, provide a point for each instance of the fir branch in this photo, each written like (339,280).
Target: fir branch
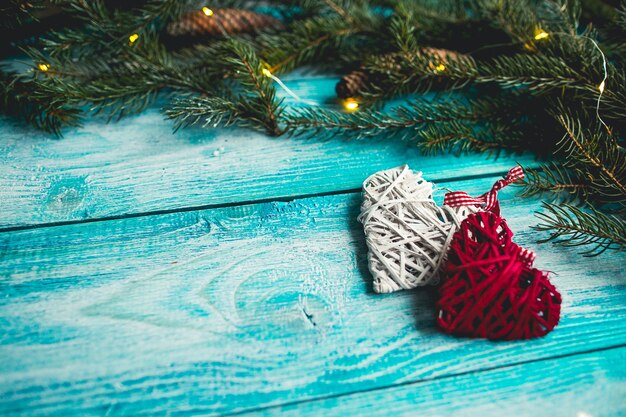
(14,13)
(597,154)
(403,121)
(345,32)
(538,73)
(459,138)
(46,110)
(308,41)
(557,182)
(258,102)
(105,31)
(568,225)
(210,111)
(592,171)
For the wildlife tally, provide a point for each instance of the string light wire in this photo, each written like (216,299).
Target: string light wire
(278,81)
(602,84)
(266,72)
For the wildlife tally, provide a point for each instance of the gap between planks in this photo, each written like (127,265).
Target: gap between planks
(421,381)
(283,199)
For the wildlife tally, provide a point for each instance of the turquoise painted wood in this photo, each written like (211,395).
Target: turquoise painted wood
(592,384)
(139,165)
(241,308)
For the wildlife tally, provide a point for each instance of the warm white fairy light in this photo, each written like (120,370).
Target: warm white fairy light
(540,34)
(43,67)
(133,38)
(207,11)
(350,104)
(602,83)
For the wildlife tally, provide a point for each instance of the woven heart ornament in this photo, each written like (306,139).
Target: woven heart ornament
(407,233)
(490,288)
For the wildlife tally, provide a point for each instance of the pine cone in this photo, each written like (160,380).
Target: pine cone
(221,22)
(438,58)
(442,54)
(351,85)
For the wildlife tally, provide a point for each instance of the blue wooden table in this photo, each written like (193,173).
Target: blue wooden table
(222,272)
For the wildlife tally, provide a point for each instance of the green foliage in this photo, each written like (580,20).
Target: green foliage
(44,109)
(255,101)
(443,125)
(343,30)
(501,75)
(570,225)
(14,13)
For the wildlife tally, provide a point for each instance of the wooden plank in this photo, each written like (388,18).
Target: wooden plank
(230,309)
(138,166)
(586,385)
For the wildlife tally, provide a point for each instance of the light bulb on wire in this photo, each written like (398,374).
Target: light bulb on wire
(350,104)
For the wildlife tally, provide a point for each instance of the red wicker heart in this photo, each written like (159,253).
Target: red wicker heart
(490,288)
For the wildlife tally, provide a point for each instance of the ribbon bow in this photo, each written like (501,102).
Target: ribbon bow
(489,200)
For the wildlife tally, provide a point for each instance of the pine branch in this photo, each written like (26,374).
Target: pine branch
(46,110)
(592,172)
(459,138)
(309,40)
(571,226)
(104,32)
(210,111)
(345,31)
(127,85)
(557,182)
(257,103)
(404,121)
(14,13)
(597,154)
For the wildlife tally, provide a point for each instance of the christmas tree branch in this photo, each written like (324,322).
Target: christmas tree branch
(572,226)
(46,110)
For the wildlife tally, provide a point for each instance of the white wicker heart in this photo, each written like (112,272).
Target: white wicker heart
(407,233)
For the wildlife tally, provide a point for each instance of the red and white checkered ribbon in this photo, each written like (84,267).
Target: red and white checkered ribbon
(489,202)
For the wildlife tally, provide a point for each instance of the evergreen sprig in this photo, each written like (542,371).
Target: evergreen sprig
(47,110)
(570,225)
(515,75)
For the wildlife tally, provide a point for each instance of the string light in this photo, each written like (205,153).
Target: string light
(133,38)
(440,68)
(602,84)
(350,104)
(266,72)
(540,34)
(207,11)
(43,67)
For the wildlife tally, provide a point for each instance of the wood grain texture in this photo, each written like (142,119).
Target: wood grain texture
(585,385)
(138,165)
(232,309)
